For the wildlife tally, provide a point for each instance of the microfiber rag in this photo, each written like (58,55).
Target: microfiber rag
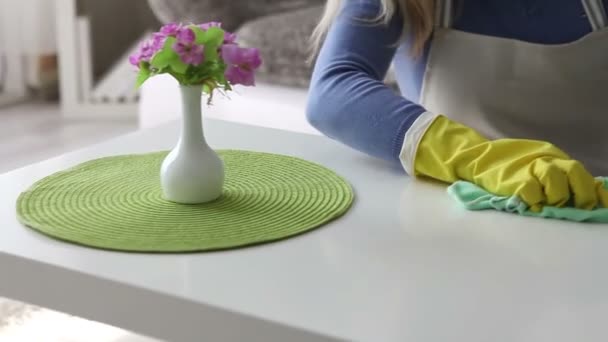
(475,198)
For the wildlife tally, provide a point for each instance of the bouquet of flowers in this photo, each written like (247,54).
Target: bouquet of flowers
(201,54)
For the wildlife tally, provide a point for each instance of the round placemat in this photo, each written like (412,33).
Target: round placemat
(116,203)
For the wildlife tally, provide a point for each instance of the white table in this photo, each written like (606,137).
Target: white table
(406,264)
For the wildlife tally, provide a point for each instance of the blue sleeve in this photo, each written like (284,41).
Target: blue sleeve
(348,100)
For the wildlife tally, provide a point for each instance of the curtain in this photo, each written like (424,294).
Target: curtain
(27,45)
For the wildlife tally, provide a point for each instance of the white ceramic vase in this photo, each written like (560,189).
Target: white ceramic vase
(192,172)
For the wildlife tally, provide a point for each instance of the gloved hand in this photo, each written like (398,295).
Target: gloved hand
(535,171)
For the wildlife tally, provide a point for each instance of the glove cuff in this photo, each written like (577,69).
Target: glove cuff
(412,139)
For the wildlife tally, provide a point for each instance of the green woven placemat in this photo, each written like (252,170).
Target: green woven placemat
(115,203)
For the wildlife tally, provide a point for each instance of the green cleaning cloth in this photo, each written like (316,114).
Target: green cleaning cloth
(475,198)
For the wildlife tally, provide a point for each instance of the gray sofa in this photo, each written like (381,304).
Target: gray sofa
(279,28)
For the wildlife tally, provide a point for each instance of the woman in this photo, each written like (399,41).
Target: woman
(490,89)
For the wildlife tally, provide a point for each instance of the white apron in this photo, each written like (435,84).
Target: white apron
(506,88)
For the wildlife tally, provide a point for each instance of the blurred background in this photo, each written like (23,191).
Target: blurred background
(65,83)
(62,74)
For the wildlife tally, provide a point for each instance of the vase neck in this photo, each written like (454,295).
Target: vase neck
(192,122)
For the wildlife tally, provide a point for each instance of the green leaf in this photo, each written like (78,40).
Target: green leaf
(180,78)
(221,79)
(143,74)
(199,34)
(211,54)
(214,37)
(178,66)
(166,55)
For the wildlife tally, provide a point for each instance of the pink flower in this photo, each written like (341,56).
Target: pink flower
(185,36)
(229,38)
(188,51)
(190,54)
(241,64)
(134,59)
(158,41)
(145,53)
(209,25)
(170,29)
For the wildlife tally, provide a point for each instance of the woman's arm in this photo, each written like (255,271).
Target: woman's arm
(348,100)
(349,103)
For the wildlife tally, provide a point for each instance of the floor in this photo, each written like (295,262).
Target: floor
(31,133)
(34,132)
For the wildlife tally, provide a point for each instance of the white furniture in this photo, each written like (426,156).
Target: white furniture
(405,264)
(79,97)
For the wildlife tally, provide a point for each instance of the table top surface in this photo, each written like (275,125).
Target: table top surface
(405,264)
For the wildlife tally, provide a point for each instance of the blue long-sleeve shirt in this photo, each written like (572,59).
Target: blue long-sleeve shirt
(348,100)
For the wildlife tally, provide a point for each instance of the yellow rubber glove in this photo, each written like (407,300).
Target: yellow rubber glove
(535,171)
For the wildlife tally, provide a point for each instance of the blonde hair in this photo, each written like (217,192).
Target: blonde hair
(418,14)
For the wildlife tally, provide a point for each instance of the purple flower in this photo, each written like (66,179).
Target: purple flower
(209,25)
(152,46)
(158,41)
(170,29)
(189,52)
(241,64)
(186,36)
(229,38)
(145,53)
(134,59)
